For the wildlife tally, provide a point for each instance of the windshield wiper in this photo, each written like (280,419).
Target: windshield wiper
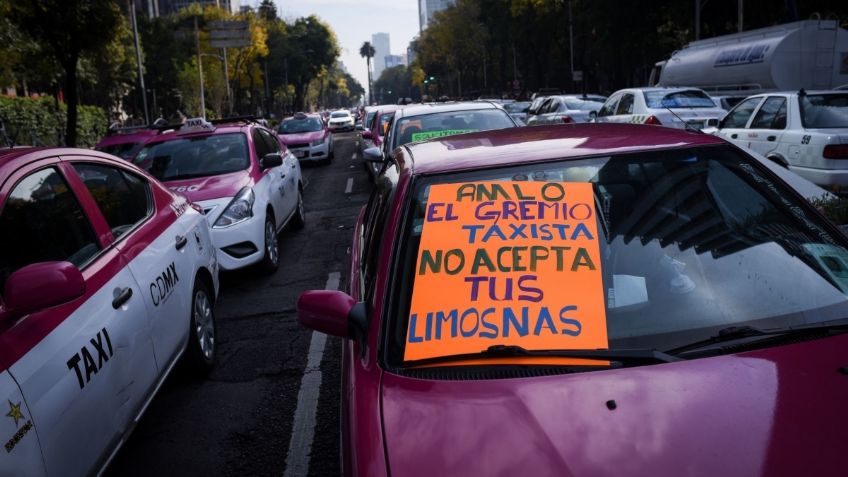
(623,356)
(732,333)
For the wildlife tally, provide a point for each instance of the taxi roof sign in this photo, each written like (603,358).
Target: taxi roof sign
(194,125)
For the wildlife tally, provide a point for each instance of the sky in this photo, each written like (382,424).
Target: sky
(354,21)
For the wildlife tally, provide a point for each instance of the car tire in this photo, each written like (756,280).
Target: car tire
(201,350)
(271,258)
(298,220)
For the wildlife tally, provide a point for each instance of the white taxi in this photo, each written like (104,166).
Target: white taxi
(681,108)
(107,278)
(341,120)
(804,131)
(245,180)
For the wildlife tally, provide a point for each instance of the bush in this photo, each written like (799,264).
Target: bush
(834,208)
(38,121)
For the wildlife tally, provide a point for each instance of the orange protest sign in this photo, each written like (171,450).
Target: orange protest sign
(511,263)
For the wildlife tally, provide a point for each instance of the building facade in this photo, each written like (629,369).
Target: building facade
(426,9)
(382,48)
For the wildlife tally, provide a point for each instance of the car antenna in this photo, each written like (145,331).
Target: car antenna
(685,124)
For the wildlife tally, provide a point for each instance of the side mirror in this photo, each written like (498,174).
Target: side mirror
(329,311)
(721,122)
(270,160)
(712,122)
(373,154)
(39,286)
(366,134)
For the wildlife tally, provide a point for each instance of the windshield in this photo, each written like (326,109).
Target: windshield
(190,157)
(297,126)
(419,128)
(124,150)
(647,250)
(578,105)
(517,107)
(340,114)
(824,110)
(369,119)
(679,99)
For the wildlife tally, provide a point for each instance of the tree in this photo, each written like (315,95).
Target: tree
(267,10)
(313,48)
(69,28)
(367,51)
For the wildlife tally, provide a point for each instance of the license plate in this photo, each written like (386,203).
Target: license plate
(300,154)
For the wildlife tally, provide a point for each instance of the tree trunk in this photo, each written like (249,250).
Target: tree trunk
(71,98)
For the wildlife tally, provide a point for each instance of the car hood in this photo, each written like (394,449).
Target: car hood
(212,187)
(301,138)
(779,411)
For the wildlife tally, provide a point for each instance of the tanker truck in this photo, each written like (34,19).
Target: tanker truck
(808,54)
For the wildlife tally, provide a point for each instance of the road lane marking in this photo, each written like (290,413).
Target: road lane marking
(349,186)
(303,427)
(353,157)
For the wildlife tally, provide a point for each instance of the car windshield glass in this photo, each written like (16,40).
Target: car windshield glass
(340,114)
(678,99)
(517,107)
(449,123)
(185,158)
(578,105)
(124,150)
(648,250)
(824,110)
(296,126)
(369,119)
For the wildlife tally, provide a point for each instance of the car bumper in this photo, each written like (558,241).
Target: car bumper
(341,127)
(312,153)
(827,178)
(238,245)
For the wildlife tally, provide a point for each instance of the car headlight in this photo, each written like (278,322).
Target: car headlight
(238,210)
(318,142)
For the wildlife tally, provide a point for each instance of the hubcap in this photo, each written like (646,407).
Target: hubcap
(204,325)
(271,242)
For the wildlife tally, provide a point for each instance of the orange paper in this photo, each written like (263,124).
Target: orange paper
(507,263)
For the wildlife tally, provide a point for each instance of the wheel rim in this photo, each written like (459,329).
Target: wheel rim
(204,324)
(271,242)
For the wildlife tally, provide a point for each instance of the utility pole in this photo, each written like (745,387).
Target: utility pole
(227,83)
(571,40)
(138,62)
(200,70)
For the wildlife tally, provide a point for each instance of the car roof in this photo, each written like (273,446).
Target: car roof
(430,108)
(531,144)
(13,158)
(224,128)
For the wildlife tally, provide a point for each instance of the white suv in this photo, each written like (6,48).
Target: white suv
(804,131)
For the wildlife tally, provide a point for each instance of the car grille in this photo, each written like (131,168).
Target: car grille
(297,146)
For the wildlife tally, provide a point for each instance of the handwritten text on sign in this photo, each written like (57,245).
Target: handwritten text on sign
(513,263)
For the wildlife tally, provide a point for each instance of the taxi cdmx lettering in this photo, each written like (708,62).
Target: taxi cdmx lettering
(162,287)
(16,414)
(100,344)
(506,273)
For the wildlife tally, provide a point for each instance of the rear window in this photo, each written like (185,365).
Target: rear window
(297,126)
(824,110)
(340,114)
(419,128)
(578,105)
(678,99)
(190,157)
(517,107)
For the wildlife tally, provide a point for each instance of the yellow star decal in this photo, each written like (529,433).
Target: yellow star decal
(15,412)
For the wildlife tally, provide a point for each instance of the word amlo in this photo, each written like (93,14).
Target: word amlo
(492,323)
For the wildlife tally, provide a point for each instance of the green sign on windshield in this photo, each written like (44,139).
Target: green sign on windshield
(420,136)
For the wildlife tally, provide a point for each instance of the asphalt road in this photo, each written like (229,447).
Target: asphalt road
(238,420)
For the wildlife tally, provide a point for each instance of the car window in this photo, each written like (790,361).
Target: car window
(772,115)
(376,214)
(124,199)
(297,126)
(824,110)
(738,117)
(260,144)
(625,105)
(369,119)
(42,221)
(195,156)
(691,98)
(609,106)
(125,150)
(677,233)
(448,123)
(271,144)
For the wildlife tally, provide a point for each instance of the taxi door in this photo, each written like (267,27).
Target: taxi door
(732,126)
(605,114)
(269,188)
(17,433)
(285,178)
(86,366)
(766,129)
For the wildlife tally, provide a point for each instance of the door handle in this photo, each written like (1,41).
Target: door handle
(181,241)
(771,138)
(734,136)
(122,297)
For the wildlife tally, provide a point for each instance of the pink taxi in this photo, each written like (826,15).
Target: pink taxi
(307,137)
(247,183)
(589,300)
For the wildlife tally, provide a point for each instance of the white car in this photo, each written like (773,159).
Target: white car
(564,110)
(804,131)
(107,279)
(680,108)
(341,121)
(245,180)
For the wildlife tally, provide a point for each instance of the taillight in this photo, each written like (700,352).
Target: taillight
(567,120)
(836,151)
(653,120)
